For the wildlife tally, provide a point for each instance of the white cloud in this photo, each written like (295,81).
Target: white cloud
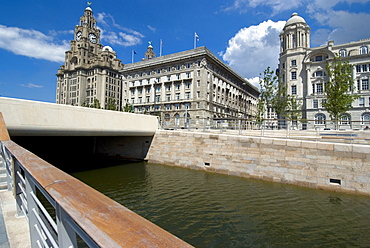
(255,81)
(111,35)
(31,85)
(255,48)
(276,5)
(151,28)
(31,43)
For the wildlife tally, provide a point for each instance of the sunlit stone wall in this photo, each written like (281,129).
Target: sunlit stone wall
(338,167)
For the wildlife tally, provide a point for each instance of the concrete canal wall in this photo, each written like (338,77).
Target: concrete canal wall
(330,166)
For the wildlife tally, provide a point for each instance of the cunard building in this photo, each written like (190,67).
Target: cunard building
(181,88)
(188,87)
(91,72)
(302,69)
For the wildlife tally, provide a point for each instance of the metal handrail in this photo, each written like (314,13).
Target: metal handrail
(78,209)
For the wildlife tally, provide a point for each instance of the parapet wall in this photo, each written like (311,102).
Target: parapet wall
(330,166)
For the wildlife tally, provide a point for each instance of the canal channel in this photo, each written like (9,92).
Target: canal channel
(212,210)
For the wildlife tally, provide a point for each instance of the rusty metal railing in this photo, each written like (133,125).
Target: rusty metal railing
(59,208)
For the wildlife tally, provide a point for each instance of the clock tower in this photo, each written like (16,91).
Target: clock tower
(90,74)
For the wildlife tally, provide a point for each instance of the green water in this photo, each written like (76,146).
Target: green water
(210,210)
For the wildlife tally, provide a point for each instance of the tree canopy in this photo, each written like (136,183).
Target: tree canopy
(338,88)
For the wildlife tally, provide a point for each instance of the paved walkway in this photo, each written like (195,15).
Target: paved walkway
(14,231)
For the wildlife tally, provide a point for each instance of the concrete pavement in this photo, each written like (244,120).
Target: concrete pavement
(14,231)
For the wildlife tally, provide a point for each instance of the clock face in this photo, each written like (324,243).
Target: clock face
(78,35)
(92,38)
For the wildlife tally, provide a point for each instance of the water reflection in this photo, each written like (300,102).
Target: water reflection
(210,210)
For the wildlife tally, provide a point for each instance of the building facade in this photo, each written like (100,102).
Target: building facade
(182,88)
(188,88)
(302,69)
(91,72)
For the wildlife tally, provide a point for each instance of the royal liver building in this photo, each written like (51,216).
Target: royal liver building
(91,71)
(303,70)
(184,88)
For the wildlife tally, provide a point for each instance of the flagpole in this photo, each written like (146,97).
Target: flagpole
(160,48)
(195,40)
(132,57)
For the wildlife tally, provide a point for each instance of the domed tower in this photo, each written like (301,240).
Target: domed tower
(149,54)
(295,35)
(295,41)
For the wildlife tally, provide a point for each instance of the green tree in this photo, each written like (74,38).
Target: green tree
(338,88)
(96,104)
(111,105)
(268,84)
(85,104)
(274,95)
(127,108)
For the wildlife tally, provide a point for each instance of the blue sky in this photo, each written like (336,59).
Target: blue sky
(243,33)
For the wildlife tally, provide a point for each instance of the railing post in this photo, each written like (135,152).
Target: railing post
(66,234)
(17,191)
(31,204)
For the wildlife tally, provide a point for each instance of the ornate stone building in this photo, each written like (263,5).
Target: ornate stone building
(91,71)
(187,88)
(303,70)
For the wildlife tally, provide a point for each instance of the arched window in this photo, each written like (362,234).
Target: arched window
(320,119)
(177,120)
(365,118)
(364,50)
(345,119)
(342,53)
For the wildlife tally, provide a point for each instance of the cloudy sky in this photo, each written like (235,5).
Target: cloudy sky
(243,33)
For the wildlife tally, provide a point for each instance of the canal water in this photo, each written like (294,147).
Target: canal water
(211,210)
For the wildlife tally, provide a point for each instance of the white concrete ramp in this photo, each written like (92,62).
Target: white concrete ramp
(32,118)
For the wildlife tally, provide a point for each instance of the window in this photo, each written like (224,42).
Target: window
(187,95)
(365,84)
(178,76)
(315,103)
(177,96)
(158,89)
(345,119)
(364,68)
(158,98)
(168,78)
(168,96)
(198,83)
(358,68)
(178,86)
(148,90)
(364,50)
(318,58)
(294,62)
(133,83)
(168,87)
(342,53)
(320,119)
(361,102)
(319,88)
(140,100)
(198,105)
(294,89)
(365,118)
(168,107)
(177,106)
(188,75)
(293,75)
(188,85)
(198,73)
(148,99)
(198,94)
(319,74)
